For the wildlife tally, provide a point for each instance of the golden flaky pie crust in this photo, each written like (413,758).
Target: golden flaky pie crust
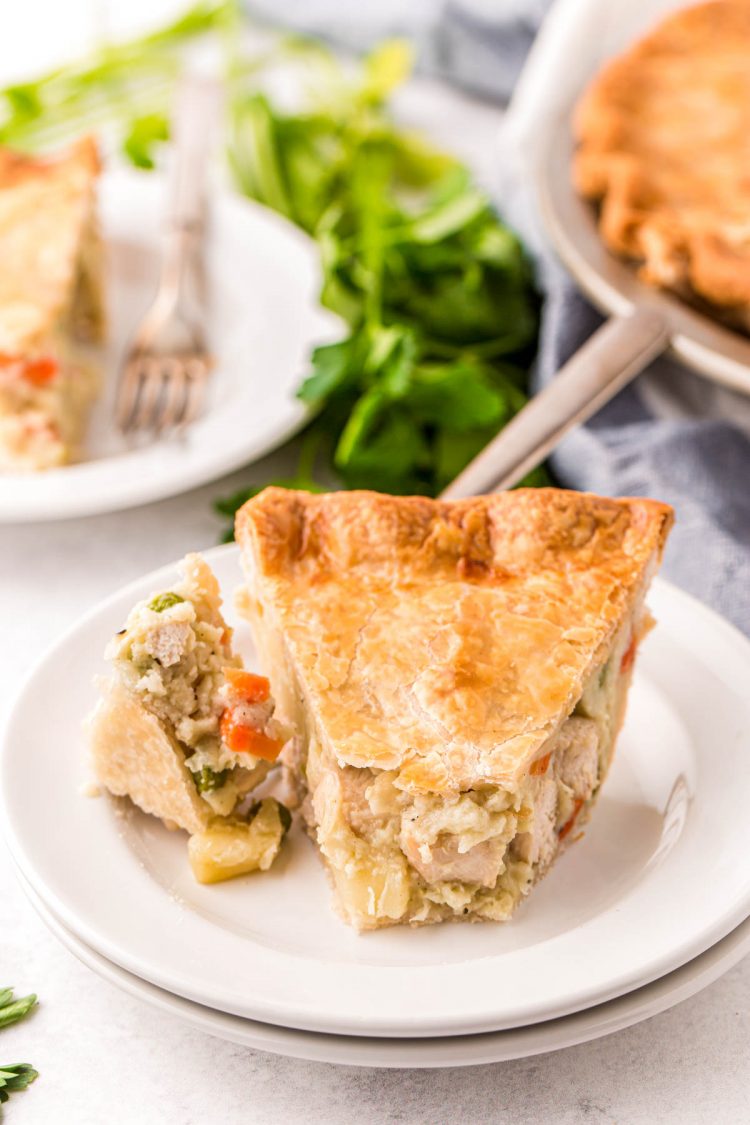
(445,640)
(134,757)
(45,204)
(664,144)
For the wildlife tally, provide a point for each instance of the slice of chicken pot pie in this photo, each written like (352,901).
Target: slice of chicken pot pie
(456,674)
(51,304)
(184,732)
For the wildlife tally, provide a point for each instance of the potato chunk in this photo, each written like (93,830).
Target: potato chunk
(231,847)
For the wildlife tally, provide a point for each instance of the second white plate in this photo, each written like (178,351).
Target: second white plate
(264,320)
(660,876)
(450,1050)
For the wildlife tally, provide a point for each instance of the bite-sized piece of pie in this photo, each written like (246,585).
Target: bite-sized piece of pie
(456,675)
(180,728)
(51,304)
(232,846)
(664,145)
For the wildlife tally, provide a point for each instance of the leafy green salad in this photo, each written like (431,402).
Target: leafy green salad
(435,292)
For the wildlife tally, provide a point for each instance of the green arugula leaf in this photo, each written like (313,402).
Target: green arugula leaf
(11,1011)
(385,68)
(142,138)
(496,246)
(454,449)
(380,438)
(255,154)
(14,1077)
(332,365)
(363,419)
(457,397)
(23,102)
(449,217)
(391,359)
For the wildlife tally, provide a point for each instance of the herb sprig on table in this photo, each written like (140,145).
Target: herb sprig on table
(435,292)
(15,1076)
(129,84)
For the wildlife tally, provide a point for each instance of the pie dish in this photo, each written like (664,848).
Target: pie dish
(663,149)
(51,304)
(185,733)
(455,675)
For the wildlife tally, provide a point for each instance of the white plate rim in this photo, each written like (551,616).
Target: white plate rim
(429,1053)
(301,1016)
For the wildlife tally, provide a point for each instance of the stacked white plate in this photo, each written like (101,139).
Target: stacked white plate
(649,907)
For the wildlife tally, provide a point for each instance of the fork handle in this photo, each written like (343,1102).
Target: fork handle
(193,127)
(617,352)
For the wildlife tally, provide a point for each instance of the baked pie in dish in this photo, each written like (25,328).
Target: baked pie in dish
(664,148)
(454,675)
(51,304)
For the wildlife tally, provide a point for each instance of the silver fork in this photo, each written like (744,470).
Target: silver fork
(165,370)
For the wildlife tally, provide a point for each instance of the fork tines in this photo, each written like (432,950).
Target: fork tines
(161,392)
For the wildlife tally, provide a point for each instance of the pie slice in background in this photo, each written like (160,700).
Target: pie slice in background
(455,674)
(51,304)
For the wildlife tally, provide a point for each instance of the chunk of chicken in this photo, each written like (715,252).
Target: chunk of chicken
(577,756)
(442,862)
(538,846)
(168,642)
(353,784)
(255,715)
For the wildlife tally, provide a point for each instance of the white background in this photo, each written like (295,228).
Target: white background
(105,1057)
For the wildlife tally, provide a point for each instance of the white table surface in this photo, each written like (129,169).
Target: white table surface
(105,1057)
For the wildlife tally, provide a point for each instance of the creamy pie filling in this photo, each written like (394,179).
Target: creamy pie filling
(175,656)
(46,393)
(397,856)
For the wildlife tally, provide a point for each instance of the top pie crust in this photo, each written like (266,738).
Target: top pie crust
(445,640)
(45,204)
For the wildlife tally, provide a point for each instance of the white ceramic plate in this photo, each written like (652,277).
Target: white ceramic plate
(660,877)
(462,1050)
(264,281)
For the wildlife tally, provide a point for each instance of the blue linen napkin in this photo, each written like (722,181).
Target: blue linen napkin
(699,464)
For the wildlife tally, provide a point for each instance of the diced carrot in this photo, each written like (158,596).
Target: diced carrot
(251,688)
(40,371)
(629,655)
(245,740)
(577,806)
(540,766)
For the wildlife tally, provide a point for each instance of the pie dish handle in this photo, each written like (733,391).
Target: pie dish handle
(614,355)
